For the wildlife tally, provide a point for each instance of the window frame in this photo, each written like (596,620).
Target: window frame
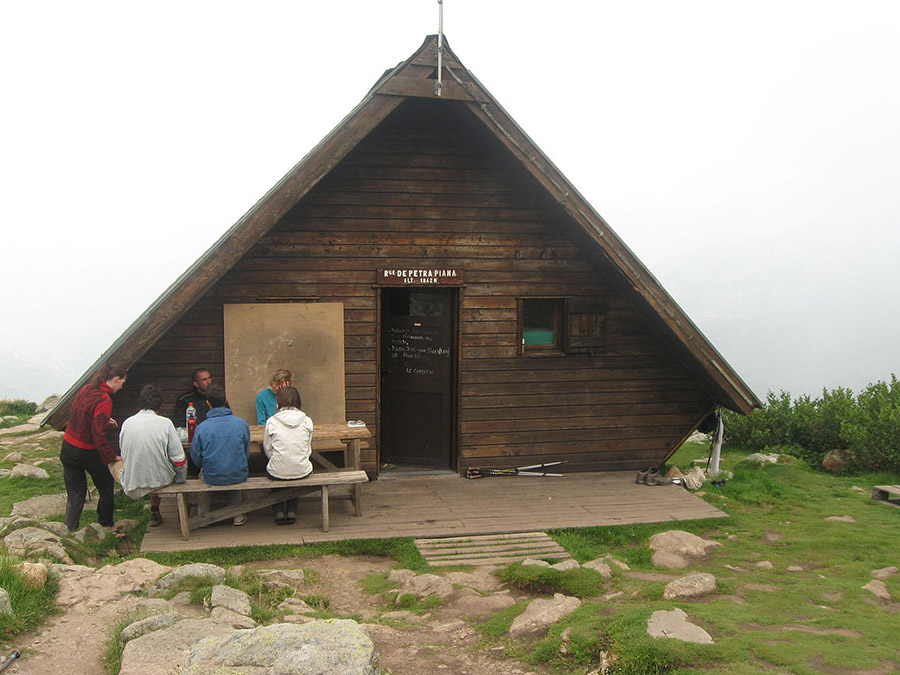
(560,327)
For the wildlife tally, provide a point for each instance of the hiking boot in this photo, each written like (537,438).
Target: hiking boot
(155,518)
(641,478)
(656,478)
(279,518)
(290,518)
(239,520)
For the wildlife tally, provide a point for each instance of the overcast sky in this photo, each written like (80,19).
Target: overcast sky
(748,153)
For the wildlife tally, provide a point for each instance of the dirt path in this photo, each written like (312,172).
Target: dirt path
(443,641)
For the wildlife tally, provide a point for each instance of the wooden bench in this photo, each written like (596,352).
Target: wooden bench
(271,492)
(889,494)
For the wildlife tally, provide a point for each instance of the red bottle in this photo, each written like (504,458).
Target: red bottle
(191,420)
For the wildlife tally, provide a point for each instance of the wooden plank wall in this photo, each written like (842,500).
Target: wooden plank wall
(430,188)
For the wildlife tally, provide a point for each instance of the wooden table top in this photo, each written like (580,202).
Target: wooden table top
(321,432)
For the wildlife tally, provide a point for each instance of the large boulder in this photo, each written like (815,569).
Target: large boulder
(541,613)
(166,651)
(677,549)
(338,647)
(424,585)
(229,598)
(85,584)
(29,471)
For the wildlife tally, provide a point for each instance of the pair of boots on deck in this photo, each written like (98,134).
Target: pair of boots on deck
(652,476)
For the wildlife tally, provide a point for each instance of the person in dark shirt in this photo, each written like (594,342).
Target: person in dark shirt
(198,395)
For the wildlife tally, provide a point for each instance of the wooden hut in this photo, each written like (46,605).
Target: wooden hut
(490,316)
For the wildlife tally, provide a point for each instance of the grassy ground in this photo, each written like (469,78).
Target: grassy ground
(812,621)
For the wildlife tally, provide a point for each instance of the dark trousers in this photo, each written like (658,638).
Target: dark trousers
(77,463)
(289,505)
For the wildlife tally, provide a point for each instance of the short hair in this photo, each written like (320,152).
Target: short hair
(216,396)
(108,372)
(281,375)
(288,397)
(196,371)
(150,398)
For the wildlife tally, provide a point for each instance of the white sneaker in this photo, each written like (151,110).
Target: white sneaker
(239,520)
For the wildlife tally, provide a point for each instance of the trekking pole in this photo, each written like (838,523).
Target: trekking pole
(473,472)
(7,662)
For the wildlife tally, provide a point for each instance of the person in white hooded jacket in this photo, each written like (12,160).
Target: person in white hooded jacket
(288,445)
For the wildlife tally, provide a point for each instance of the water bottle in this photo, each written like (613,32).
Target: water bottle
(191,420)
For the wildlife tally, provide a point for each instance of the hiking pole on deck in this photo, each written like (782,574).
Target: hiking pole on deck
(472,472)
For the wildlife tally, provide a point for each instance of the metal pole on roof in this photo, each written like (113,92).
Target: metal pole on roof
(438,85)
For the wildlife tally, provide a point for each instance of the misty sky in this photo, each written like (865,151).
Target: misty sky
(748,153)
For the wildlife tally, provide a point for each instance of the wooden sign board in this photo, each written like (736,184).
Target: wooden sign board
(430,276)
(305,338)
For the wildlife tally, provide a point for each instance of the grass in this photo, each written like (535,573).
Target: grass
(18,409)
(580,582)
(31,605)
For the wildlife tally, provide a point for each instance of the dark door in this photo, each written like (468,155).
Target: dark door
(418,373)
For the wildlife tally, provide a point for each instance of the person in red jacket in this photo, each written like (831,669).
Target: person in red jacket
(85,447)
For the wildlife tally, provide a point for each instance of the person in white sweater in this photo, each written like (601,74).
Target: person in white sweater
(151,450)
(287,443)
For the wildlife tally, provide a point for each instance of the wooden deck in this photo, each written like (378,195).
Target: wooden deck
(451,506)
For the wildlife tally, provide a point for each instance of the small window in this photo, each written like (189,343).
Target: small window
(542,324)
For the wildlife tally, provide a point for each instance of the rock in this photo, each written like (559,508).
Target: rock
(424,585)
(885,572)
(566,565)
(107,583)
(762,458)
(794,568)
(400,615)
(836,461)
(58,529)
(166,650)
(13,456)
(482,579)
(736,569)
(541,613)
(322,647)
(29,471)
(299,618)
(152,606)
(678,549)
(474,605)
(533,561)
(691,586)
(290,578)
(42,506)
(879,589)
(5,604)
(125,525)
(4,473)
(233,619)
(37,542)
(856,488)
(400,576)
(841,519)
(150,624)
(765,565)
(599,566)
(48,404)
(675,625)
(231,599)
(35,574)
(295,605)
(213,573)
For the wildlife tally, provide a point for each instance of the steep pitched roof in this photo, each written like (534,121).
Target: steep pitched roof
(415,78)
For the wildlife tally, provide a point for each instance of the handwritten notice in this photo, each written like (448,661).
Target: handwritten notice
(416,351)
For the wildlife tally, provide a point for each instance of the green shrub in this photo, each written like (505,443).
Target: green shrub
(867,426)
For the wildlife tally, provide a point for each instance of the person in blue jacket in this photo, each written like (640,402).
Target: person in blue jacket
(221,447)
